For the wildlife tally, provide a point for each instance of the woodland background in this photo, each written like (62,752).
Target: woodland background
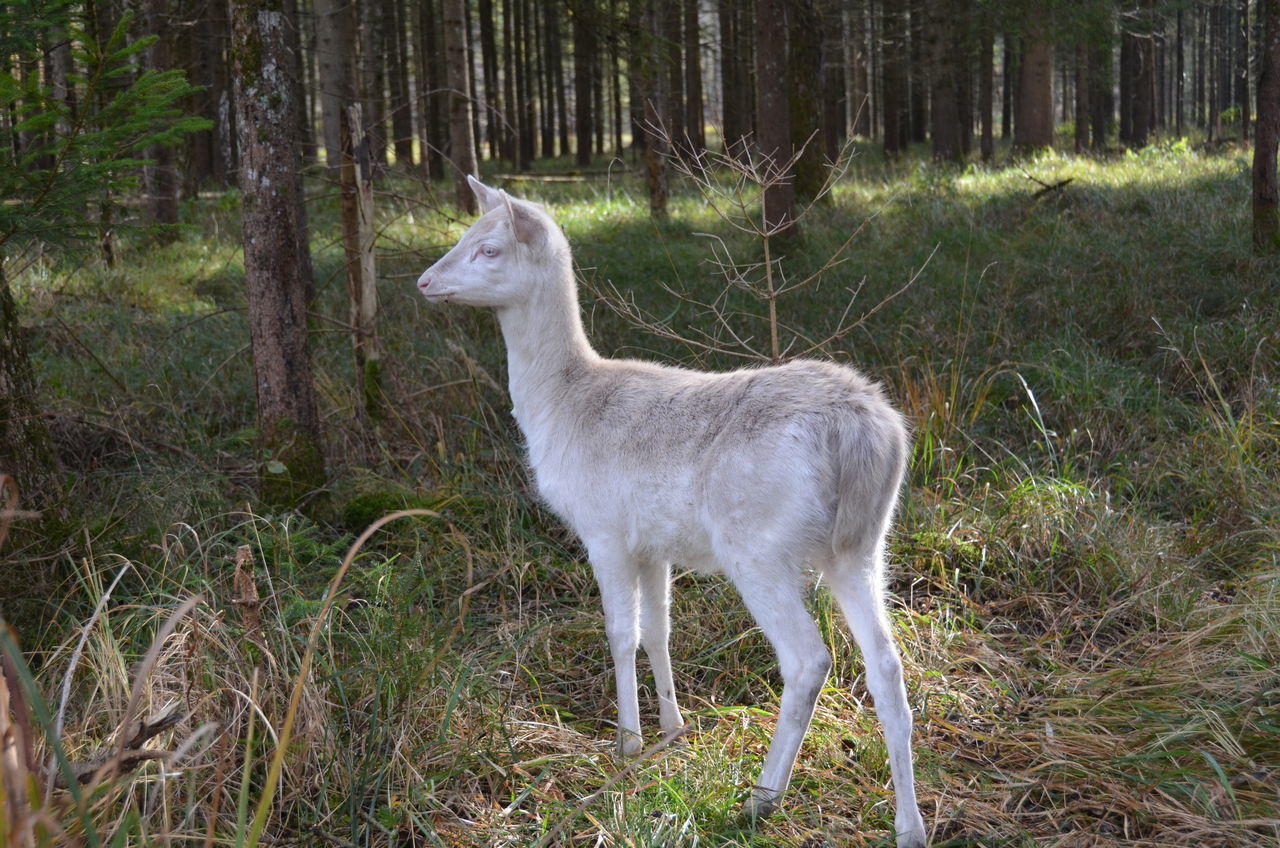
(1049,228)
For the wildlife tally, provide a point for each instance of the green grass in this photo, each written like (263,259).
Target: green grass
(1087,584)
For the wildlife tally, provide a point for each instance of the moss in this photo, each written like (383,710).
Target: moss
(292,472)
(367,507)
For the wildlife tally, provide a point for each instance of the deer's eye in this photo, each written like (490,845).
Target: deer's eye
(489,250)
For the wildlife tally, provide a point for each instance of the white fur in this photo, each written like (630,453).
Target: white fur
(756,474)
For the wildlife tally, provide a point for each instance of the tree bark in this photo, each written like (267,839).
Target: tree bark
(986,91)
(462,146)
(489,64)
(694,121)
(335,57)
(773,114)
(398,83)
(894,78)
(1266,194)
(160,177)
(651,83)
(1082,98)
(358,239)
(583,65)
(939,31)
(275,275)
(731,131)
(1242,69)
(1033,126)
(804,89)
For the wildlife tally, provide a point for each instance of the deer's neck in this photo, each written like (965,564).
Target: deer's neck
(547,348)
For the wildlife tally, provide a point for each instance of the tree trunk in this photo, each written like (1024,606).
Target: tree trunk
(650,82)
(1033,126)
(804,89)
(275,276)
(1100,48)
(160,178)
(858,107)
(373,79)
(335,56)
(1082,98)
(1242,69)
(1143,98)
(773,114)
(462,145)
(1266,195)
(398,82)
(510,109)
(358,239)
(731,131)
(673,64)
(894,75)
(918,70)
(583,65)
(938,32)
(489,63)
(986,91)
(694,122)
(834,94)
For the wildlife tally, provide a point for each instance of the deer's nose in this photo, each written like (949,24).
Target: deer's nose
(424,282)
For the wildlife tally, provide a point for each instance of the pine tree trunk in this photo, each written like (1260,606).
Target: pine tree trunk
(398,82)
(834,92)
(275,276)
(1143,98)
(944,74)
(335,56)
(1242,69)
(730,118)
(773,25)
(373,79)
(160,178)
(694,122)
(489,63)
(1033,126)
(358,242)
(583,63)
(1082,98)
(1266,194)
(524,82)
(918,81)
(543,16)
(462,143)
(650,81)
(804,89)
(510,114)
(986,91)
(858,106)
(894,78)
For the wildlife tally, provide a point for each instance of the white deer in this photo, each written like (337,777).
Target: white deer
(756,474)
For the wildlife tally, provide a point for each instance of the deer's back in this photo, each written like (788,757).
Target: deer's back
(669,460)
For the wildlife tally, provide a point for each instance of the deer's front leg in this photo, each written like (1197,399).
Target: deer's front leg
(619,592)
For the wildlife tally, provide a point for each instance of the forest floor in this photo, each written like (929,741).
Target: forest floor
(1086,562)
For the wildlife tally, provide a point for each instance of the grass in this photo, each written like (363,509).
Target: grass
(1088,592)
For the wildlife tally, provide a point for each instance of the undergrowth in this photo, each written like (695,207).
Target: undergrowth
(1086,577)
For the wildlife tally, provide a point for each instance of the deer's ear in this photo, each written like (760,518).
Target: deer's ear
(526,224)
(489,198)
